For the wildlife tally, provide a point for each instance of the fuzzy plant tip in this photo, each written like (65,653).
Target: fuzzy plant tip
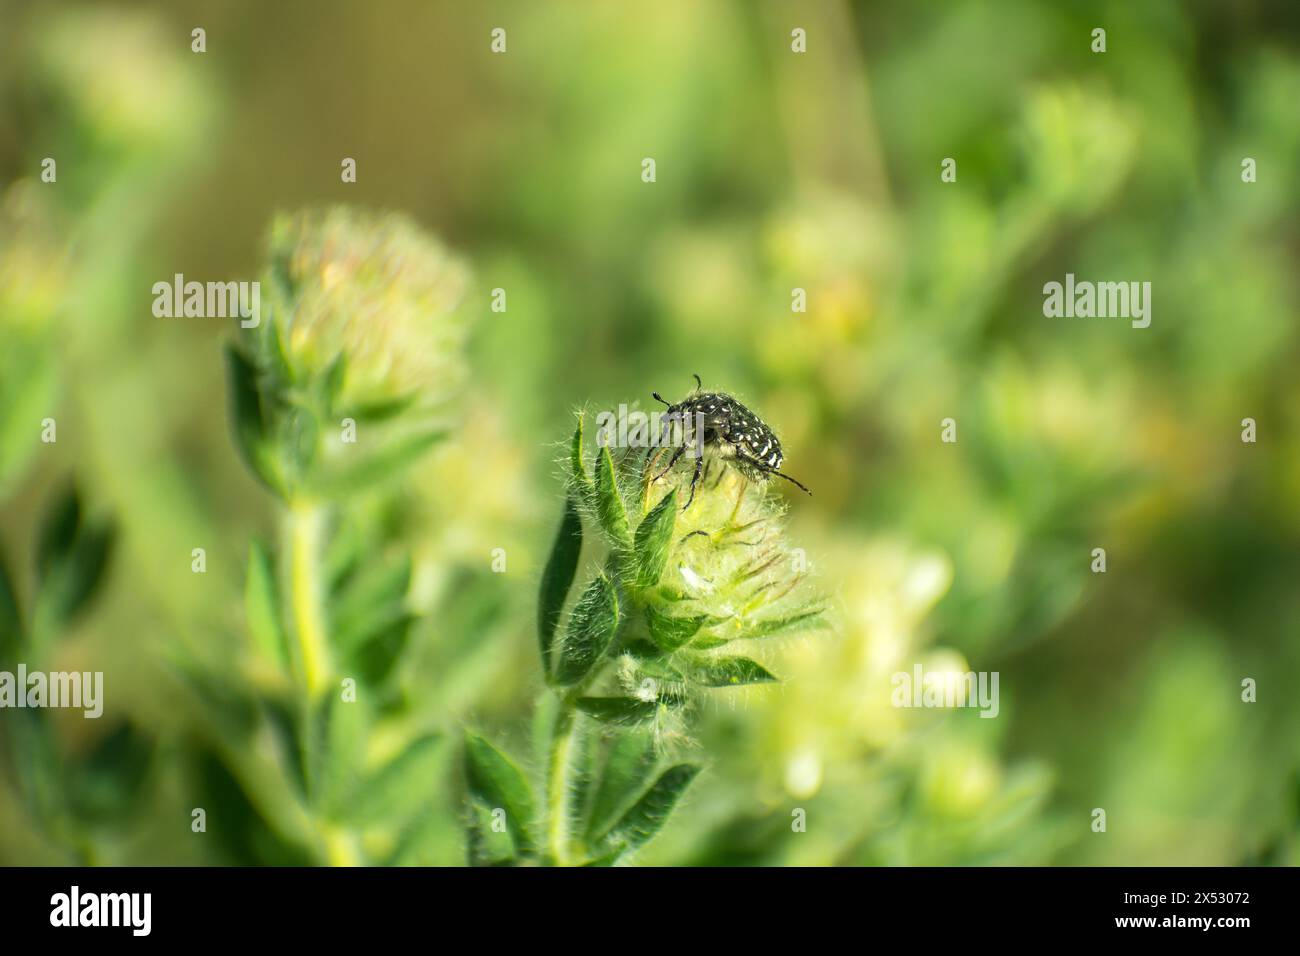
(373,290)
(694,580)
(356,364)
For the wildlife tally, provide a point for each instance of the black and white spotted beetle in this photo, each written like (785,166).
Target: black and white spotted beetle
(726,427)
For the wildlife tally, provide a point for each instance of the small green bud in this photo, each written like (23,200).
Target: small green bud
(348,373)
(704,586)
(374,292)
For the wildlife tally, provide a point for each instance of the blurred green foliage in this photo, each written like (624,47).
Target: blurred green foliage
(775,170)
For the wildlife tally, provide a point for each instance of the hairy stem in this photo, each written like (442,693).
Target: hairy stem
(557,789)
(304,529)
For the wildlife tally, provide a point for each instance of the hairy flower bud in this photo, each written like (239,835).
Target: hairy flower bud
(699,589)
(348,371)
(374,291)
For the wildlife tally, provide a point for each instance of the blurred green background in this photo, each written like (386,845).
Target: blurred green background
(775,170)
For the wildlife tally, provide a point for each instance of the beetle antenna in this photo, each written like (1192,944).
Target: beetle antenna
(793,481)
(698,384)
(659,398)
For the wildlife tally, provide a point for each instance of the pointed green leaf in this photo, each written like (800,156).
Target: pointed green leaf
(262,607)
(628,767)
(709,642)
(576,464)
(11,628)
(377,656)
(371,600)
(609,502)
(496,782)
(803,621)
(584,770)
(72,569)
(249,418)
(103,785)
(484,844)
(654,538)
(371,468)
(592,626)
(335,379)
(606,859)
(647,816)
(335,767)
(557,579)
(730,672)
(651,661)
(58,532)
(383,410)
(670,633)
(622,711)
(402,787)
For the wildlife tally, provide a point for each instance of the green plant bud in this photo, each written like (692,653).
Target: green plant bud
(348,371)
(122,78)
(373,293)
(705,589)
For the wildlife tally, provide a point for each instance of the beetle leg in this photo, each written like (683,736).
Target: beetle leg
(695,480)
(681,449)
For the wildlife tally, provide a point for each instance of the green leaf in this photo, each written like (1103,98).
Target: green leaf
(557,579)
(803,621)
(583,772)
(245,835)
(11,626)
(297,438)
(369,621)
(647,816)
(249,419)
(71,558)
(484,845)
(103,785)
(402,787)
(627,769)
(730,672)
(654,537)
(59,526)
(607,859)
(335,379)
(609,503)
(373,413)
(592,626)
(273,351)
(375,659)
(621,711)
(651,660)
(336,763)
(372,468)
(371,600)
(709,642)
(669,632)
(496,782)
(576,463)
(28,382)
(262,607)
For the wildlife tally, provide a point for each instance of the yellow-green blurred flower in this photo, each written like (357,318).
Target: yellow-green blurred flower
(374,291)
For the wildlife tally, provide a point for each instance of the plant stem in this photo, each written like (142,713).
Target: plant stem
(557,790)
(305,526)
